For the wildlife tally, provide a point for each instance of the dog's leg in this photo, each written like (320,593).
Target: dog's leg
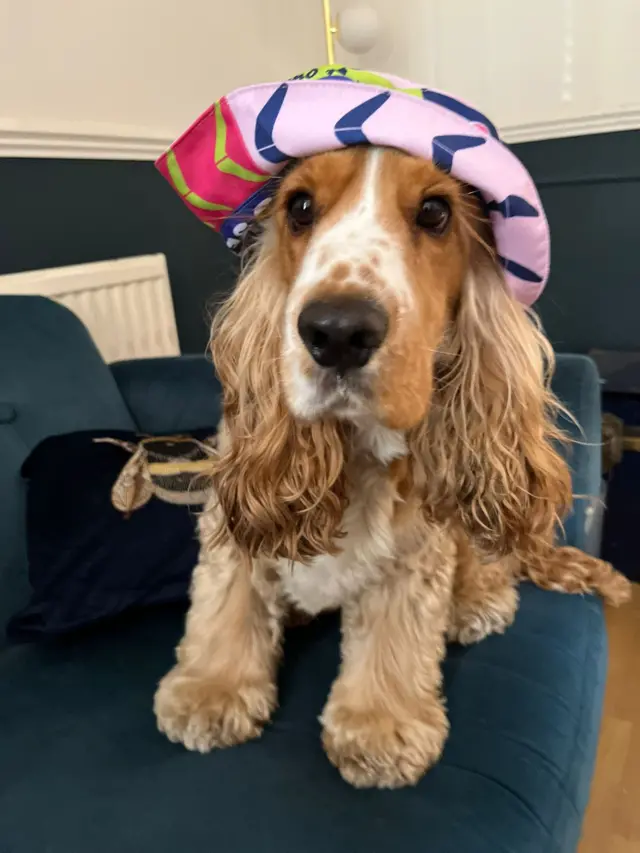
(222,690)
(385,723)
(485,596)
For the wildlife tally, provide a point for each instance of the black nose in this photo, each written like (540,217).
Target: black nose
(344,331)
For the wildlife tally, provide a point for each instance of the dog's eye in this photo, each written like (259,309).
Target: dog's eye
(301,211)
(434,215)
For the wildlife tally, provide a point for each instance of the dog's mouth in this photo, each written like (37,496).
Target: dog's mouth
(346,395)
(345,388)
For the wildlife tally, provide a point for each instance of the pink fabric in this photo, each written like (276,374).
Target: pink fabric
(309,116)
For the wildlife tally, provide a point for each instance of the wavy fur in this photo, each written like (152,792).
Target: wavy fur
(280,482)
(488,454)
(488,444)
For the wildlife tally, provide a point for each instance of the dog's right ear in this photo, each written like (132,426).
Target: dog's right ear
(280,483)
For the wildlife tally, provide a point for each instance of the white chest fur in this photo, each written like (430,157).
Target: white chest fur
(327,582)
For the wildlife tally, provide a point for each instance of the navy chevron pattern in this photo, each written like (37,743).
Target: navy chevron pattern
(513,205)
(446,147)
(460,109)
(349,130)
(519,271)
(265,125)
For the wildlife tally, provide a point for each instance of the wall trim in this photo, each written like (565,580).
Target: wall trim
(99,141)
(82,140)
(628,119)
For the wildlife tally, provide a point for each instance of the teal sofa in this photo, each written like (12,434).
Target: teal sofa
(82,767)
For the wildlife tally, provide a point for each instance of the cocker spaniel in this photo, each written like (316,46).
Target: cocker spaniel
(389,447)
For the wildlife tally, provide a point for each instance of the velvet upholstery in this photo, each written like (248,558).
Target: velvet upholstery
(80,750)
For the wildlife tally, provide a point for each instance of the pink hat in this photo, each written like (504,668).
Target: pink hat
(222,165)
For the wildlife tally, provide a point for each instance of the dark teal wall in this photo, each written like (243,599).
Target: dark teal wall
(590,188)
(55,212)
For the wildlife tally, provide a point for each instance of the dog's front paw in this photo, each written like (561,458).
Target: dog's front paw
(373,749)
(204,714)
(472,621)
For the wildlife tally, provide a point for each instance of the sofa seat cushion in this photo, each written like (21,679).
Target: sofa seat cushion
(84,769)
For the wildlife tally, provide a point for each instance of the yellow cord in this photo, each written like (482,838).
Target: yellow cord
(329,31)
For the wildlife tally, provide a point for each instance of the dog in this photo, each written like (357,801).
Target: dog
(389,448)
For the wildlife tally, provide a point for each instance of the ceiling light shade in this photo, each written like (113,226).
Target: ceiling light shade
(358,28)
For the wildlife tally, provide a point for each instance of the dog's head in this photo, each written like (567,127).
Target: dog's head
(373,245)
(374,315)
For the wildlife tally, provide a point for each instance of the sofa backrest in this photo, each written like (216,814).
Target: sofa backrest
(52,381)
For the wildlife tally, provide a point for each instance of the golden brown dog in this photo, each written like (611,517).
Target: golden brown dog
(388,447)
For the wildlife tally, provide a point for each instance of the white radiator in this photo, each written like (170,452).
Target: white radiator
(126,304)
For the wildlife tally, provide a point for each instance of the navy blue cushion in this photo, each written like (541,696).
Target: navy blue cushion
(87,561)
(87,770)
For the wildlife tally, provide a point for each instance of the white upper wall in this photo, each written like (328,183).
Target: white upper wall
(138,71)
(121,78)
(538,68)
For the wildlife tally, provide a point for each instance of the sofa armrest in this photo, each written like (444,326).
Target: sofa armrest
(577,384)
(170,395)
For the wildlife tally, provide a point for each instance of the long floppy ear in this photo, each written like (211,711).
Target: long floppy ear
(490,443)
(280,483)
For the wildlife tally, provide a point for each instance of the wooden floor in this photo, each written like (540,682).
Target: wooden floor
(612,824)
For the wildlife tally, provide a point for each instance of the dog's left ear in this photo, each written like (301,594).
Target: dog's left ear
(489,445)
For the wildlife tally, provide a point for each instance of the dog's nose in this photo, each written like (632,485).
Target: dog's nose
(343,332)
